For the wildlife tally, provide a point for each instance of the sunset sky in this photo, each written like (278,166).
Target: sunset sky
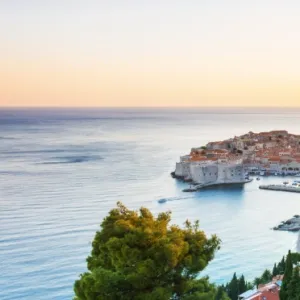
(150,53)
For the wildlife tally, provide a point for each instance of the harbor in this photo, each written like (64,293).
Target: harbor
(285,187)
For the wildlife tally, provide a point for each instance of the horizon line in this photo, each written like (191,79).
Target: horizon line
(149,107)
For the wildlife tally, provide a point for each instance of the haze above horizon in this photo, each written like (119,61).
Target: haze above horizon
(149,54)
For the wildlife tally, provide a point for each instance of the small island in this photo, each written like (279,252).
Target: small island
(231,161)
(292,224)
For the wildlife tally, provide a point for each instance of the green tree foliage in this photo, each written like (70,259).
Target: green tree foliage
(281,266)
(295,258)
(137,256)
(242,285)
(233,288)
(293,288)
(221,293)
(257,281)
(287,277)
(275,270)
(237,286)
(264,278)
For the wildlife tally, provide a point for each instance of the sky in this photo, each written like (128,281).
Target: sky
(118,53)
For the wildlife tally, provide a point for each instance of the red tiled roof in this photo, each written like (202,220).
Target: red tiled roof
(218,151)
(274,158)
(198,158)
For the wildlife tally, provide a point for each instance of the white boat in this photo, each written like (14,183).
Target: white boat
(297,175)
(262,173)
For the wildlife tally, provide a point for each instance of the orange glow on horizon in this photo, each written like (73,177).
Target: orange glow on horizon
(150,55)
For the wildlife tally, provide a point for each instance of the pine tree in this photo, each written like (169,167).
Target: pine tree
(136,255)
(266,276)
(249,286)
(281,266)
(233,288)
(242,285)
(293,291)
(221,293)
(275,270)
(287,277)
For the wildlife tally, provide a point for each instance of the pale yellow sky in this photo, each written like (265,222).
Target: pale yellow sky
(145,53)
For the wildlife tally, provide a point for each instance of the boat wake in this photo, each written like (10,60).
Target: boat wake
(164,200)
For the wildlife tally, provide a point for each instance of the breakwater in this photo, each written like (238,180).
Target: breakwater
(280,187)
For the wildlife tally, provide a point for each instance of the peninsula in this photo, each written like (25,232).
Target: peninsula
(230,161)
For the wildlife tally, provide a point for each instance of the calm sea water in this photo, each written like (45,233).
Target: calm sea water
(63,170)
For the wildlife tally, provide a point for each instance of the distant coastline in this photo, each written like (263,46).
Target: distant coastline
(191,109)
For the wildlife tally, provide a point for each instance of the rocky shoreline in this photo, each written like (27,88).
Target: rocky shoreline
(182,178)
(197,186)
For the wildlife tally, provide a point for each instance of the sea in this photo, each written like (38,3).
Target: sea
(63,170)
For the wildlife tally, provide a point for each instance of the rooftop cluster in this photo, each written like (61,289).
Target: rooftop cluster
(274,151)
(264,291)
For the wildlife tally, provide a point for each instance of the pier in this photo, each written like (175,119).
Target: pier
(280,187)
